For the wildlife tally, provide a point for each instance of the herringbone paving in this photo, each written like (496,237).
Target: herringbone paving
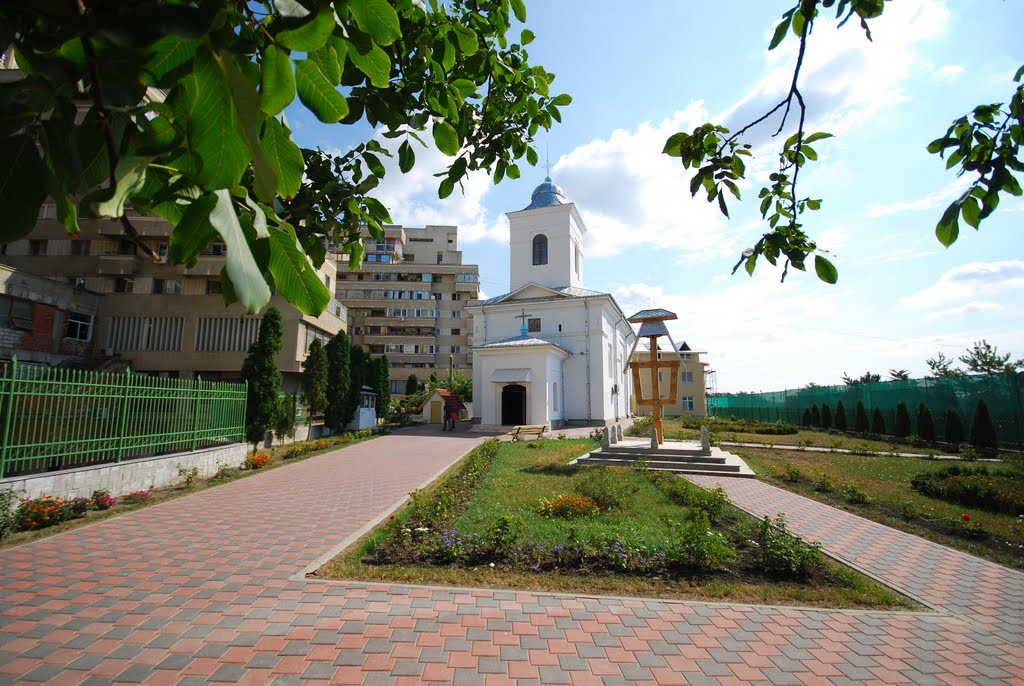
(208,589)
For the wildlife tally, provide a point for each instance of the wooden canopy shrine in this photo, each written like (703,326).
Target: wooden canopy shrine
(652,327)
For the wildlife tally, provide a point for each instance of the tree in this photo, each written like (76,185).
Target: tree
(899,375)
(361,376)
(983,433)
(412,384)
(314,379)
(941,367)
(925,423)
(983,358)
(382,384)
(259,371)
(806,419)
(860,423)
(826,416)
(839,421)
(339,382)
(461,385)
(954,432)
(901,423)
(815,416)
(866,377)
(984,144)
(173,109)
(284,422)
(877,422)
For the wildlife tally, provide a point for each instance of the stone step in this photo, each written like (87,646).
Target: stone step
(660,456)
(664,465)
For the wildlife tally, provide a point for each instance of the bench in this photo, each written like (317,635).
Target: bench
(530,430)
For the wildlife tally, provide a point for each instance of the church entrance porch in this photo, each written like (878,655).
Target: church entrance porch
(513,405)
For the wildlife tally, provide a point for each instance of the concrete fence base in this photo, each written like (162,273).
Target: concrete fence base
(120,478)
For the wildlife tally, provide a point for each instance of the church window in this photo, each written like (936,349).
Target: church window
(540,249)
(554,396)
(578,260)
(533,325)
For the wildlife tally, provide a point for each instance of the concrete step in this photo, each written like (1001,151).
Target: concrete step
(663,465)
(661,456)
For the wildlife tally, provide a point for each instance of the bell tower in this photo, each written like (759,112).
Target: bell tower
(546,240)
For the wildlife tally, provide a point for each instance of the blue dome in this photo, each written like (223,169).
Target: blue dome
(548,194)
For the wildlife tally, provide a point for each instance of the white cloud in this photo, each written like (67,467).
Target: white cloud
(970,282)
(949,72)
(928,202)
(964,310)
(901,255)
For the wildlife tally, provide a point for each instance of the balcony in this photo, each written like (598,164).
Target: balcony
(466,287)
(119,265)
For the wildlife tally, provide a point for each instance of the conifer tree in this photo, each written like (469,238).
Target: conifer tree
(261,373)
(815,416)
(412,385)
(383,385)
(839,421)
(339,381)
(954,432)
(360,377)
(901,425)
(877,422)
(806,419)
(983,433)
(925,423)
(826,416)
(284,422)
(314,379)
(860,424)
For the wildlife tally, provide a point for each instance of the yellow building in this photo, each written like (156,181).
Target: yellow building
(691,397)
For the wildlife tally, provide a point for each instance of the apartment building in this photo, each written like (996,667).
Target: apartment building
(408,301)
(161,318)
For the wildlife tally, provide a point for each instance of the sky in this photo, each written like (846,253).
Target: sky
(640,74)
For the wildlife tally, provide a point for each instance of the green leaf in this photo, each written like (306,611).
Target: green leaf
(131,176)
(465,87)
(971,212)
(213,126)
(780,31)
(312,34)
(371,60)
(277,80)
(246,100)
(374,163)
(519,8)
(378,19)
(818,136)
(294,275)
(825,270)
(562,100)
(948,228)
(531,157)
(316,93)
(526,37)
(193,232)
(674,145)
(249,285)
(445,138)
(445,188)
(377,210)
(166,55)
(467,39)
(406,157)
(326,60)
(284,157)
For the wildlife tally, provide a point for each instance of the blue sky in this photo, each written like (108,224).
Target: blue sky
(641,74)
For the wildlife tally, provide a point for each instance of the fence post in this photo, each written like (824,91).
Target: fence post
(122,424)
(196,390)
(9,405)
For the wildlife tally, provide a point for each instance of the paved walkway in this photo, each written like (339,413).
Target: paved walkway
(208,588)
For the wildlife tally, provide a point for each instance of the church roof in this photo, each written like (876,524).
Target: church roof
(519,342)
(570,291)
(548,194)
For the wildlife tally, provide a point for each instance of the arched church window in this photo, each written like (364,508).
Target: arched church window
(540,249)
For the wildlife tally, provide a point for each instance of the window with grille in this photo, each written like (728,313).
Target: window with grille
(533,325)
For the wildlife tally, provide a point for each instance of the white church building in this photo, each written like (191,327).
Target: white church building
(550,351)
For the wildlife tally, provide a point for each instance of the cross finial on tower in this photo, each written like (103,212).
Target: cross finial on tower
(547,158)
(524,329)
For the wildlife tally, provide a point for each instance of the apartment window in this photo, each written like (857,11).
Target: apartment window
(688,377)
(76,281)
(540,249)
(456,296)
(409,257)
(161,251)
(327,281)
(687,403)
(158,286)
(533,325)
(440,257)
(456,332)
(123,285)
(465,278)
(79,247)
(125,247)
(213,287)
(456,349)
(37,247)
(686,356)
(172,287)
(79,326)
(456,314)
(15,314)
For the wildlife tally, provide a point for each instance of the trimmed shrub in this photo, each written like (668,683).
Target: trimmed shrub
(568,506)
(992,490)
(700,548)
(785,554)
(983,434)
(901,425)
(861,422)
(839,421)
(39,513)
(826,416)
(815,416)
(877,422)
(954,432)
(925,423)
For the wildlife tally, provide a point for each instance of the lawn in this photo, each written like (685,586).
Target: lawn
(500,523)
(885,483)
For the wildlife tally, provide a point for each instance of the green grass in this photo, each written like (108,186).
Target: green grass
(886,480)
(521,476)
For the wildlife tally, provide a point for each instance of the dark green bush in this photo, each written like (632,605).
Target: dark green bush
(697,547)
(877,422)
(983,434)
(954,432)
(925,423)
(901,425)
(993,490)
(815,416)
(609,489)
(806,419)
(826,416)
(839,421)
(860,424)
(785,554)
(7,521)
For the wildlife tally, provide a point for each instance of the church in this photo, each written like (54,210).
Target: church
(550,351)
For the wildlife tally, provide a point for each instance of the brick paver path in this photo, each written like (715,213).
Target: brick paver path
(208,588)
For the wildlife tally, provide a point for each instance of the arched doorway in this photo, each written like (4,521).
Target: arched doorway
(513,405)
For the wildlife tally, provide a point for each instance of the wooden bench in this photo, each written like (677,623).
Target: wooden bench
(530,430)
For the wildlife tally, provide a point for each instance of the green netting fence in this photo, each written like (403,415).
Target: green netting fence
(1002,393)
(53,418)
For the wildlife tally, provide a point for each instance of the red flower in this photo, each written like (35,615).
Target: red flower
(965,517)
(393,516)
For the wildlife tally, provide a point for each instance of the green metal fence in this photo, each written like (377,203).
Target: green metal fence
(1002,393)
(55,418)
